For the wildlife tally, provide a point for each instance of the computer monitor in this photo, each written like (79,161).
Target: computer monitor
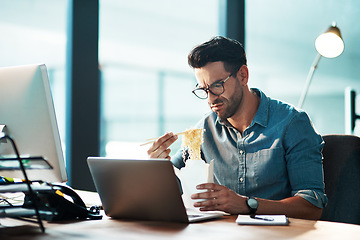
(27,111)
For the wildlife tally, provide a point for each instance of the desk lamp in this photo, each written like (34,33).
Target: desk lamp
(328,44)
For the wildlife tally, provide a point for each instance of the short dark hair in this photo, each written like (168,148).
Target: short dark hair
(219,48)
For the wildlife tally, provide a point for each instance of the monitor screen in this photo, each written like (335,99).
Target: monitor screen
(27,111)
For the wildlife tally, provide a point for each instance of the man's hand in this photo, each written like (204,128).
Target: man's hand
(160,148)
(220,198)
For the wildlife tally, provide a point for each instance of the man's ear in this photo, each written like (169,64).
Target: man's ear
(243,75)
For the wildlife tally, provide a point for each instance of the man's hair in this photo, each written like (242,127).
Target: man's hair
(226,50)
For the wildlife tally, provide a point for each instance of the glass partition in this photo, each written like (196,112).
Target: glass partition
(34,32)
(146,82)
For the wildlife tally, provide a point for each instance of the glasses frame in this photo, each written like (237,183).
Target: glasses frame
(208,89)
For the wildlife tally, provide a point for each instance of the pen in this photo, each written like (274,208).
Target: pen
(262,218)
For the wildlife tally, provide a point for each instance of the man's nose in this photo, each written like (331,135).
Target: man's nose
(211,97)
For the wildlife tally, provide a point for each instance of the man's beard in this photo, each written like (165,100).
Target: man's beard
(232,105)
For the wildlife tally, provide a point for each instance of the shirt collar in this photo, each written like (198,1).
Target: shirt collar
(262,114)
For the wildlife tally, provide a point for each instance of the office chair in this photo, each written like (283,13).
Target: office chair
(341,163)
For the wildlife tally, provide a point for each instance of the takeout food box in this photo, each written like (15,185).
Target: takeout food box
(194,173)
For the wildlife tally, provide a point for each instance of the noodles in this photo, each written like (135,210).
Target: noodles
(191,142)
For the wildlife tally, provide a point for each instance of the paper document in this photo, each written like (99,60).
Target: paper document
(262,220)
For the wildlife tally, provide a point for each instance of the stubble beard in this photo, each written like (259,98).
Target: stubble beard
(232,105)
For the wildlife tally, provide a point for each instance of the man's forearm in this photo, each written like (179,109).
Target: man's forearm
(295,207)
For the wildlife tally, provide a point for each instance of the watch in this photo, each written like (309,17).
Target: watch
(253,204)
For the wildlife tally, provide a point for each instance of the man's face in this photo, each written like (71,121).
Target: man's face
(226,104)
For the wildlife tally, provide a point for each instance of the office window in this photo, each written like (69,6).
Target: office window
(280,47)
(146,82)
(35,32)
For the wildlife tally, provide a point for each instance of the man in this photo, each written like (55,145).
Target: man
(267,155)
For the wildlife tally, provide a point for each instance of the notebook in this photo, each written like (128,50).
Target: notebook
(141,189)
(280,220)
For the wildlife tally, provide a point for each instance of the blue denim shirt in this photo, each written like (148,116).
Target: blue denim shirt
(278,155)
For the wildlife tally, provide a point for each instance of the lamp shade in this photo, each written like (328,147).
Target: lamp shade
(330,43)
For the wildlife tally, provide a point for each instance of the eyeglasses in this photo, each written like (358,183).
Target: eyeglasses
(216,89)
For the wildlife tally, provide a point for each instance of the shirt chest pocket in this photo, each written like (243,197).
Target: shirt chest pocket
(267,166)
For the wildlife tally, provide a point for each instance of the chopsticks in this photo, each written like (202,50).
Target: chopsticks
(151,140)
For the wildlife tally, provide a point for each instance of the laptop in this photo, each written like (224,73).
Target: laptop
(142,189)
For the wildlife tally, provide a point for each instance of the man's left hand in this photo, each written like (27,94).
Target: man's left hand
(220,198)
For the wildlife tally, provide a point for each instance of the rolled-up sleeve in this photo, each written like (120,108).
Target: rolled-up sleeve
(316,198)
(177,160)
(303,148)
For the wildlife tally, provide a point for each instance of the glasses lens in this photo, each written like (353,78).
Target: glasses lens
(200,93)
(217,88)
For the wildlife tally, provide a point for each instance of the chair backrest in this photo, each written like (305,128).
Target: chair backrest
(342,178)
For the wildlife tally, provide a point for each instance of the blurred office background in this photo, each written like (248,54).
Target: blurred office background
(143,45)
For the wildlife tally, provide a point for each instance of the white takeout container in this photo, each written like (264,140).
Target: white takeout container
(194,173)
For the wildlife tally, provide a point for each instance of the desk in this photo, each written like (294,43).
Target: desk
(223,228)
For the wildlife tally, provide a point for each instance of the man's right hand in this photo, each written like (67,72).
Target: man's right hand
(160,148)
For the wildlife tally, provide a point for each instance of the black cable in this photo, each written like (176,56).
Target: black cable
(6,201)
